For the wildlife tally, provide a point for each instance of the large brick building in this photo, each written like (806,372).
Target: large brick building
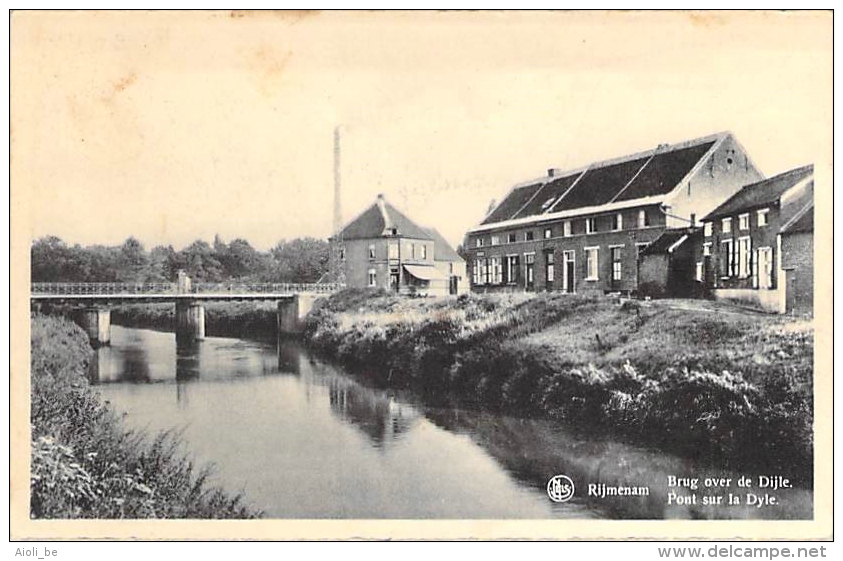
(757,247)
(382,248)
(581,230)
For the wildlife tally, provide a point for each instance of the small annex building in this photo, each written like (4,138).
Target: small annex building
(383,248)
(757,247)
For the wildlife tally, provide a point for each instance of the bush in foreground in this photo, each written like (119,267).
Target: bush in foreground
(85,464)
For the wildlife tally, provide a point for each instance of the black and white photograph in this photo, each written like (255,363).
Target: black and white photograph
(290,268)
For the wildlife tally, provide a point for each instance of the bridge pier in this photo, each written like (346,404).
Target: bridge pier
(190,322)
(291,313)
(96,321)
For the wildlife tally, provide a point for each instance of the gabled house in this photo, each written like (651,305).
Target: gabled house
(582,229)
(757,247)
(382,248)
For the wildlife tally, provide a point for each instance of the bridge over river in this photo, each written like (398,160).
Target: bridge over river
(95,300)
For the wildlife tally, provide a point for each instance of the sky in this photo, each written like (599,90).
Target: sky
(176,126)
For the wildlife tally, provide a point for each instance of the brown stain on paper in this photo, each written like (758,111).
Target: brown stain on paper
(120,86)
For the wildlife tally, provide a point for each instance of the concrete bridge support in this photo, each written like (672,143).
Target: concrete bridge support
(190,322)
(291,313)
(97,324)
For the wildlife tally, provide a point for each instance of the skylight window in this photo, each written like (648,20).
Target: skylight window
(546,204)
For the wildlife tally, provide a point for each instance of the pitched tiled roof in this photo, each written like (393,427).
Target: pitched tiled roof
(375,220)
(442,250)
(548,195)
(599,185)
(664,172)
(517,198)
(761,193)
(803,221)
(668,239)
(647,174)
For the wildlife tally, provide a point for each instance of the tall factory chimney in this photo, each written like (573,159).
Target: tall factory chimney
(337,182)
(336,269)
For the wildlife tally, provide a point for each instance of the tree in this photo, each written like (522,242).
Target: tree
(201,263)
(300,260)
(133,262)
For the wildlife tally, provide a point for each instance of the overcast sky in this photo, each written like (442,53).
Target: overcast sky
(177,126)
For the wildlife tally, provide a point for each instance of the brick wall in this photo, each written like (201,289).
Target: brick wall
(798,262)
(630,237)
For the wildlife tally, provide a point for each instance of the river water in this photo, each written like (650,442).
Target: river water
(300,438)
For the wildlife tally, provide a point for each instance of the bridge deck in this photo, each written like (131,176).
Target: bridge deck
(164,297)
(170,292)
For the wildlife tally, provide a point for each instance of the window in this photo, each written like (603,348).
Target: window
(566,228)
(590,225)
(762,217)
(496,270)
(512,269)
(412,251)
(727,258)
(549,262)
(479,242)
(528,236)
(699,273)
(424,251)
(743,221)
(726,226)
(371,252)
(548,233)
(643,219)
(373,278)
(639,247)
(744,246)
(617,224)
(706,249)
(393,250)
(451,268)
(496,240)
(510,238)
(342,254)
(476,271)
(591,264)
(707,229)
(617,263)
(487,273)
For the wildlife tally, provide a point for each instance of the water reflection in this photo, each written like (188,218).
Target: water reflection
(375,413)
(303,439)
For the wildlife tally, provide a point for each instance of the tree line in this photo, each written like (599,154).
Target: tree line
(296,260)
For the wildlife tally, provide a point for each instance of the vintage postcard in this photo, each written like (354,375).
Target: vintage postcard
(421,275)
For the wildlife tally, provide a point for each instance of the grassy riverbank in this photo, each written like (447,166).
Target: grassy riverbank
(710,382)
(85,464)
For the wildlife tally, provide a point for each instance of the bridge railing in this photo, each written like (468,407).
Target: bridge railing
(121,288)
(103,288)
(264,288)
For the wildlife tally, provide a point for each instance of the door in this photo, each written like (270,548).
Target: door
(529,273)
(568,271)
(454,284)
(763,273)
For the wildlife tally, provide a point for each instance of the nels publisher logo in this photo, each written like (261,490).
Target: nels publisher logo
(560,488)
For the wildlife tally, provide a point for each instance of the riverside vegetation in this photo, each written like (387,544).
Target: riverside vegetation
(711,382)
(86,464)
(714,383)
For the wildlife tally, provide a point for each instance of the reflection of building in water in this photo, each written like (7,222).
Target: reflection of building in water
(378,415)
